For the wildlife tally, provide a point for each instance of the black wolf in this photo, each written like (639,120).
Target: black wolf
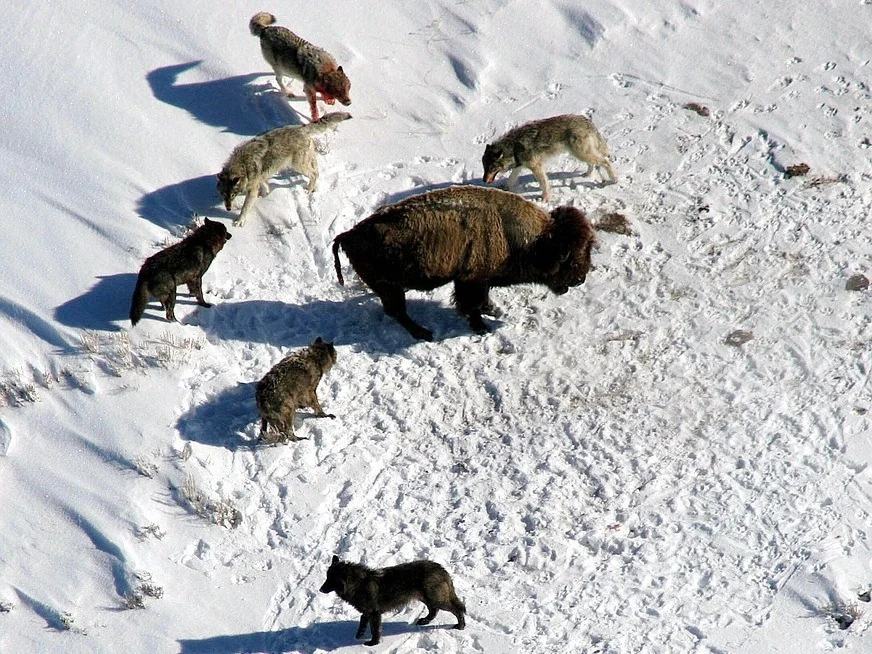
(183,263)
(375,591)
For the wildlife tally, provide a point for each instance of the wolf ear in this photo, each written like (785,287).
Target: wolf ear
(335,560)
(318,341)
(206,221)
(339,70)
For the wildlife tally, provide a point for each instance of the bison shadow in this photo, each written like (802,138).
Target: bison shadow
(173,205)
(318,637)
(358,320)
(233,104)
(101,306)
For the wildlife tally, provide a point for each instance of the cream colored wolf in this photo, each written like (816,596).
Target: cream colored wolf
(530,145)
(291,56)
(252,163)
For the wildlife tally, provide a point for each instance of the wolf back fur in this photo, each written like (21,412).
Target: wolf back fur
(182,263)
(290,385)
(292,56)
(472,236)
(530,145)
(255,161)
(376,591)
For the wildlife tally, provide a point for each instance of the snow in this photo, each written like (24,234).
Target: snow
(602,473)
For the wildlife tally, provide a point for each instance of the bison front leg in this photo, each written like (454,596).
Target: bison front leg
(394,302)
(472,299)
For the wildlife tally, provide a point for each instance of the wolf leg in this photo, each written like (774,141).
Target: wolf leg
(375,626)
(250,197)
(608,166)
(542,178)
(195,288)
(309,167)
(169,303)
(313,104)
(315,404)
(512,184)
(361,630)
(427,619)
(287,91)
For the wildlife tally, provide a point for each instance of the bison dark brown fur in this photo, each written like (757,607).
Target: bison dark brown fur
(476,238)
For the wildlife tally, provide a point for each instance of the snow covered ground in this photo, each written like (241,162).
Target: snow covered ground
(606,472)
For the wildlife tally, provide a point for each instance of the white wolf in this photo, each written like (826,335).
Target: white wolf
(252,163)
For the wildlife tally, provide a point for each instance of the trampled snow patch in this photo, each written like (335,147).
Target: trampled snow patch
(670,458)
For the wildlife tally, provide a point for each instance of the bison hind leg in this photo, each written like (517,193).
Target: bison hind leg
(394,302)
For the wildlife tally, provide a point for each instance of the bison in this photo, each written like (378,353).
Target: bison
(475,237)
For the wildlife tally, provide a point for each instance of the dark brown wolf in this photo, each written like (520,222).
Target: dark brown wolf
(291,385)
(375,591)
(291,56)
(183,263)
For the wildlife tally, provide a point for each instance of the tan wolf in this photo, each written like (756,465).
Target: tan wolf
(530,145)
(291,384)
(291,56)
(373,592)
(255,161)
(182,263)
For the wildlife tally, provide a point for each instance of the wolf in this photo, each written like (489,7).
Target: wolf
(530,145)
(183,263)
(253,162)
(291,385)
(291,56)
(373,592)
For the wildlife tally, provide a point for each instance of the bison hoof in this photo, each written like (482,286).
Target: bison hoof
(492,310)
(372,642)
(421,334)
(478,326)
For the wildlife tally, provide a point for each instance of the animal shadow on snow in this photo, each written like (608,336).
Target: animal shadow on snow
(173,205)
(358,320)
(221,420)
(101,306)
(318,637)
(528,186)
(233,104)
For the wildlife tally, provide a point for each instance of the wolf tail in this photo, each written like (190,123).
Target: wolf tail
(139,301)
(337,243)
(260,21)
(327,122)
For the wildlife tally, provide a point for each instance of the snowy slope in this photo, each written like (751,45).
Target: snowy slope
(605,472)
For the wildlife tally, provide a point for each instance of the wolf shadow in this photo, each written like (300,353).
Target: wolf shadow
(102,306)
(233,104)
(318,637)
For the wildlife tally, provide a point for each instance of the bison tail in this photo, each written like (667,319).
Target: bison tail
(139,301)
(337,243)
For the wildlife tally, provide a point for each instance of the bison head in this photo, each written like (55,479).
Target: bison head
(563,252)
(496,159)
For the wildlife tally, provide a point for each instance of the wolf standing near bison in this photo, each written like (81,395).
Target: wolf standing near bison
(473,237)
